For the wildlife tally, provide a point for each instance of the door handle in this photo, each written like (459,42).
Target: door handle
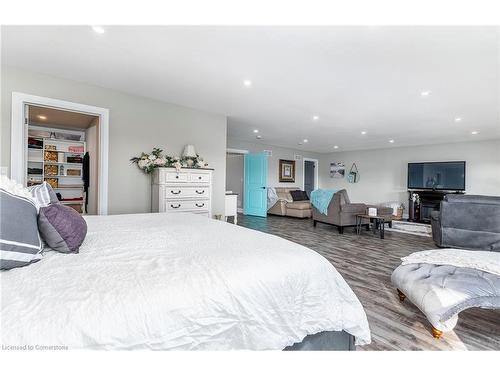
(263,187)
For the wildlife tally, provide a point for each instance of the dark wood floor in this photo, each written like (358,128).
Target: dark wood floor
(366,263)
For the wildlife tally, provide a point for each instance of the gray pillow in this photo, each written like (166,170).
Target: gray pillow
(43,194)
(20,243)
(62,228)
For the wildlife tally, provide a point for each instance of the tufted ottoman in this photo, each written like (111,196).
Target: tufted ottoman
(441,292)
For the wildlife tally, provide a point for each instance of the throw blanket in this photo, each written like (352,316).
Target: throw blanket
(272,197)
(321,199)
(487,261)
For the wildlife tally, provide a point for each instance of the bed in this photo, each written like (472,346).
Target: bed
(184,282)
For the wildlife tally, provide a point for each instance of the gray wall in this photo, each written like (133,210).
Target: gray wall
(234,175)
(384,172)
(278,153)
(136,124)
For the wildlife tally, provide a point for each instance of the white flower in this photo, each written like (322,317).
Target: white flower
(143,163)
(151,157)
(160,161)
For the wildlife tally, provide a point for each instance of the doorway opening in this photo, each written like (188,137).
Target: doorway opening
(310,175)
(62,149)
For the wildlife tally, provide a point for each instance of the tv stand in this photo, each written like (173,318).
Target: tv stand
(429,200)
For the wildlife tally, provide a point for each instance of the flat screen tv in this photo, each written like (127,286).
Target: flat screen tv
(449,175)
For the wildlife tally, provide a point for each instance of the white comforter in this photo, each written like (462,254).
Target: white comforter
(181,281)
(487,261)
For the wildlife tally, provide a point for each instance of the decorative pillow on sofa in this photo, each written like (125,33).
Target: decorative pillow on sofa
(299,195)
(20,244)
(43,194)
(62,228)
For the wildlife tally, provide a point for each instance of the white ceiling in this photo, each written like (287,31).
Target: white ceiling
(353,78)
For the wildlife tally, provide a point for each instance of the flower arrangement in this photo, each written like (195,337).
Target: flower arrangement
(156,159)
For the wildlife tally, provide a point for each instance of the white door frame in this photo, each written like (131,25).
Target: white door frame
(316,172)
(18,151)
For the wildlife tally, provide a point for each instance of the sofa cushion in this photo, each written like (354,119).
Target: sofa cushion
(299,205)
(299,195)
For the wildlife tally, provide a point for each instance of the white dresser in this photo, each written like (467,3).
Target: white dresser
(189,190)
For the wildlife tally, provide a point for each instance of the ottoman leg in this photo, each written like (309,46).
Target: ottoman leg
(401,295)
(436,333)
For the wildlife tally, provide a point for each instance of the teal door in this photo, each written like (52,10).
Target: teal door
(255,202)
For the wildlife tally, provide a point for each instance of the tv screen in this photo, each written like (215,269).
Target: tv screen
(437,175)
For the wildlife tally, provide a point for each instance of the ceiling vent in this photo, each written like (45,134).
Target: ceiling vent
(298,157)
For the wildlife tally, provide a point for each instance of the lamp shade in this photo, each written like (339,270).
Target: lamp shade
(189,151)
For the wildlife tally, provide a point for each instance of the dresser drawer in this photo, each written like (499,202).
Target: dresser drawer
(199,177)
(193,205)
(187,192)
(175,177)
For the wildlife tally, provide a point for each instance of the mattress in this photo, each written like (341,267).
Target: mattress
(185,282)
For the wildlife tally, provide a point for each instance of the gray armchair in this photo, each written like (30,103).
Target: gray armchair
(467,222)
(342,213)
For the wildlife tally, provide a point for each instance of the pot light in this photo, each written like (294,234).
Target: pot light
(42,117)
(425,93)
(256,131)
(259,137)
(98,29)
(305,140)
(474,132)
(458,119)
(315,118)
(363,132)
(391,140)
(335,147)
(247,83)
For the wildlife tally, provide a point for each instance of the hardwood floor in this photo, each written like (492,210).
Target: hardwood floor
(366,263)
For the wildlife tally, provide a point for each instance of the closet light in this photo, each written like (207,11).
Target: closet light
(42,117)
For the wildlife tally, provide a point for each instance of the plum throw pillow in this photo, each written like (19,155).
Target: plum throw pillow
(62,228)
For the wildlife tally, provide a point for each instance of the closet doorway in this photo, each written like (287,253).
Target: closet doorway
(63,151)
(64,144)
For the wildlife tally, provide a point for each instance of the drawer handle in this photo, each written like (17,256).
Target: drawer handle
(199,177)
(177,176)
(200,192)
(173,192)
(175,206)
(200,205)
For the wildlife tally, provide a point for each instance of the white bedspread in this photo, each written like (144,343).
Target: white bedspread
(487,261)
(180,281)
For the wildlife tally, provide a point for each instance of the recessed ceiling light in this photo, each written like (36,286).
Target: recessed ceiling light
(425,93)
(315,118)
(247,83)
(335,147)
(98,29)
(259,137)
(305,140)
(391,140)
(300,143)
(474,132)
(363,132)
(256,131)
(42,117)
(458,119)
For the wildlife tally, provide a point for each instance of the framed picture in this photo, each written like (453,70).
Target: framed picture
(337,170)
(287,170)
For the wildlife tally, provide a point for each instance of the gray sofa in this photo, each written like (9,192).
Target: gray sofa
(342,213)
(467,222)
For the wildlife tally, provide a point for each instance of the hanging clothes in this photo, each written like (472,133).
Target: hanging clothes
(86,178)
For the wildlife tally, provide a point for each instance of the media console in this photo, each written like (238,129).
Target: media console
(428,200)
